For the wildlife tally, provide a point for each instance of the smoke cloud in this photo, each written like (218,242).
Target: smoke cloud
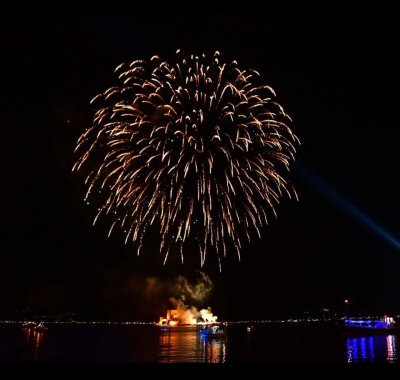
(184,297)
(180,288)
(197,292)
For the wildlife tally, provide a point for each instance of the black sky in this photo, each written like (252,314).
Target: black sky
(337,76)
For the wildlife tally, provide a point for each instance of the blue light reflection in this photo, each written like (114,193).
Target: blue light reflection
(381,348)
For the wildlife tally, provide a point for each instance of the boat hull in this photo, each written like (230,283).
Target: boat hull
(366,331)
(211,336)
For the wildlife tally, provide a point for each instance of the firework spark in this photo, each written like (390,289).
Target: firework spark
(197,145)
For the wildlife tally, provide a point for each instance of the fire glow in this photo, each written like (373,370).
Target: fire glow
(184,315)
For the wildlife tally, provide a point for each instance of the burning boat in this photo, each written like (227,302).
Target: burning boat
(176,317)
(187,316)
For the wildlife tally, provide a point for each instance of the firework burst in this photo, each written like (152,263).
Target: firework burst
(198,146)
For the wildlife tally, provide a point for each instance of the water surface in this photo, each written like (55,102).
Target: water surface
(150,344)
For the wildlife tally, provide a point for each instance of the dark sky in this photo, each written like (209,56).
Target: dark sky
(337,76)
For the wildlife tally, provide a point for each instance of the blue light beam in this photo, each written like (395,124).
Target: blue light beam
(323,188)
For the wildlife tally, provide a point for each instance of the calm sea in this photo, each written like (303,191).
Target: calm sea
(144,344)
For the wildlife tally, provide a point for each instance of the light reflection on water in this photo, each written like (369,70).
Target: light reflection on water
(34,340)
(184,345)
(372,348)
(213,350)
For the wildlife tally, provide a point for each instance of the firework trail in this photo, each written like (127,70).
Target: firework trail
(197,145)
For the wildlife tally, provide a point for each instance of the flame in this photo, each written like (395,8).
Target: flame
(186,315)
(207,316)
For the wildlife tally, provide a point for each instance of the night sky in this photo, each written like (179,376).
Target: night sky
(336,75)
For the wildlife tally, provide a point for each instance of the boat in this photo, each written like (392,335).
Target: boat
(214,331)
(29,324)
(40,327)
(250,329)
(386,325)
